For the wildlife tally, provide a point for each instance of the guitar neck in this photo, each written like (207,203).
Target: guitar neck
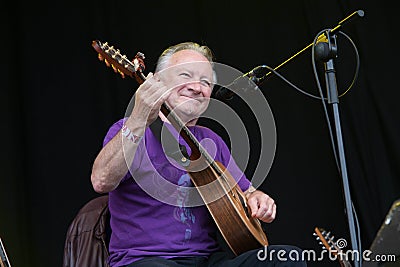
(181,128)
(197,149)
(328,243)
(4,262)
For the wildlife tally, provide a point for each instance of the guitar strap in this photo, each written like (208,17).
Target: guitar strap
(168,143)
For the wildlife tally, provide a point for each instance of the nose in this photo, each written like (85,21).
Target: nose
(195,86)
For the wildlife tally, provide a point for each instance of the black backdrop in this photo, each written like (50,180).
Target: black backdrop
(58,101)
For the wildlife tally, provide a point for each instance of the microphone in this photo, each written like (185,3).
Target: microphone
(256,75)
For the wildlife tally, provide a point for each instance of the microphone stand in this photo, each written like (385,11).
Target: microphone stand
(333,99)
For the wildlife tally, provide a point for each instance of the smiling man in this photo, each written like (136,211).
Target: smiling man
(189,77)
(153,226)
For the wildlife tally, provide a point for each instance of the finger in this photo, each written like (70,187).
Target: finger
(149,81)
(152,90)
(274,213)
(263,213)
(149,75)
(163,97)
(265,207)
(157,76)
(269,216)
(253,205)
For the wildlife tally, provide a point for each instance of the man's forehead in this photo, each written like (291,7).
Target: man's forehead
(188,56)
(192,65)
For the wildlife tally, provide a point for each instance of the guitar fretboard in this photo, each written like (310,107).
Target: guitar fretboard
(190,138)
(4,262)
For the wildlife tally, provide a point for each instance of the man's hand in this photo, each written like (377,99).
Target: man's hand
(148,100)
(261,206)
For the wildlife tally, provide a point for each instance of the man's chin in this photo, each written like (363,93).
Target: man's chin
(187,114)
(189,110)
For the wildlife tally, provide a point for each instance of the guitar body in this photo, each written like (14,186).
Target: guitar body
(240,231)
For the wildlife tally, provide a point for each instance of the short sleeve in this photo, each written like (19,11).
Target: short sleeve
(114,129)
(112,132)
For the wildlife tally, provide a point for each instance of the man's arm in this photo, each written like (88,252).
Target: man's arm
(111,164)
(113,161)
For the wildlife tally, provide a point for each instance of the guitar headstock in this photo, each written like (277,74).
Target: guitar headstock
(328,242)
(112,57)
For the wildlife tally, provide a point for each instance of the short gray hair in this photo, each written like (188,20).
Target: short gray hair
(201,49)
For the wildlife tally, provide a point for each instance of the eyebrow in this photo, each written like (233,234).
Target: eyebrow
(182,68)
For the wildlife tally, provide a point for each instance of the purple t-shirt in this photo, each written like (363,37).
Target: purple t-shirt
(155,210)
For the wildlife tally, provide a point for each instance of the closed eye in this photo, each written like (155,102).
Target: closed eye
(185,74)
(205,83)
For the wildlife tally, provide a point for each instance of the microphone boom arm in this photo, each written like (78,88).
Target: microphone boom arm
(321,38)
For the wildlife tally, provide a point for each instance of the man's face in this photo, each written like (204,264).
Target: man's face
(190,76)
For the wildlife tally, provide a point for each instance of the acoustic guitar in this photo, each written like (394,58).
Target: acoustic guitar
(327,240)
(230,212)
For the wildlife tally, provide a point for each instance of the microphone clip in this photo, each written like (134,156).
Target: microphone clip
(327,48)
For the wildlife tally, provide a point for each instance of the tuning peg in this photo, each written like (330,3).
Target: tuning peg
(100,57)
(107,63)
(110,48)
(114,68)
(328,234)
(140,54)
(104,45)
(117,53)
(122,59)
(318,238)
(122,74)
